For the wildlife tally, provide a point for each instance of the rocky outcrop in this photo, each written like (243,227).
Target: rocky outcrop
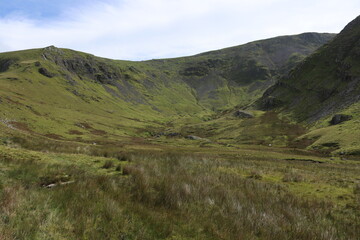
(5,63)
(243,114)
(83,65)
(46,73)
(192,137)
(339,118)
(269,103)
(198,71)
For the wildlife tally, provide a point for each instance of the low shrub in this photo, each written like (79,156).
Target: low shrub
(126,170)
(293,177)
(108,164)
(118,168)
(357,189)
(255,175)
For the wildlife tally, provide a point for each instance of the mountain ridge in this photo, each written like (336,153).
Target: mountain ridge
(325,85)
(53,91)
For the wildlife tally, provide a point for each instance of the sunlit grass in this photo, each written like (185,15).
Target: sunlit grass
(172,195)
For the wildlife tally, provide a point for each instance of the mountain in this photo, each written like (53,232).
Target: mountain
(65,94)
(237,75)
(323,86)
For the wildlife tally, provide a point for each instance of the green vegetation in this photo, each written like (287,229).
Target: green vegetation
(178,194)
(93,148)
(68,95)
(325,84)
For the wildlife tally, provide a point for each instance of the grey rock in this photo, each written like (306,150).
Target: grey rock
(5,63)
(243,114)
(46,73)
(339,118)
(192,137)
(173,134)
(269,103)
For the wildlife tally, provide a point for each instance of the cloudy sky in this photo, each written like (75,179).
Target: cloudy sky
(147,29)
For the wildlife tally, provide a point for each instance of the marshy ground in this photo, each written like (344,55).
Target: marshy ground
(154,191)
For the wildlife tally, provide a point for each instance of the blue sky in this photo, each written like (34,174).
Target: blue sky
(147,29)
(37,9)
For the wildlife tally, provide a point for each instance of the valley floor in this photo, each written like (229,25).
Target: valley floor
(177,191)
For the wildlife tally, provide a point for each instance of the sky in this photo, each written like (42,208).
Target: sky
(151,29)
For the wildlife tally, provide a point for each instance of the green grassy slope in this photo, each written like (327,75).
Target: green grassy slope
(78,100)
(64,94)
(111,160)
(239,75)
(326,83)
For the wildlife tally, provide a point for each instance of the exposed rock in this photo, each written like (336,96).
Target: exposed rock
(76,93)
(201,69)
(46,73)
(333,145)
(58,184)
(339,118)
(83,66)
(243,114)
(5,63)
(192,137)
(195,71)
(324,94)
(247,71)
(270,102)
(52,48)
(172,134)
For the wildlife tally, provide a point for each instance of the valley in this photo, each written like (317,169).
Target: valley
(257,141)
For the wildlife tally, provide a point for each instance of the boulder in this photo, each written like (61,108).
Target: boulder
(46,73)
(5,63)
(173,134)
(192,137)
(339,118)
(243,114)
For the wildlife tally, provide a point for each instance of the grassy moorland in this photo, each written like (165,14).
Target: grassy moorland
(189,192)
(93,148)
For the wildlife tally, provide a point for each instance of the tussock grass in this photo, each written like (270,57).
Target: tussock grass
(357,189)
(230,206)
(255,175)
(293,176)
(162,195)
(108,164)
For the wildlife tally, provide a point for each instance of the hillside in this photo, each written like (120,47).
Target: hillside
(325,84)
(64,94)
(94,148)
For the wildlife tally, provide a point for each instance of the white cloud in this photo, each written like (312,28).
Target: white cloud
(145,29)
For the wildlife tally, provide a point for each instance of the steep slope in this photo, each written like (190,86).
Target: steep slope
(239,75)
(64,94)
(326,83)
